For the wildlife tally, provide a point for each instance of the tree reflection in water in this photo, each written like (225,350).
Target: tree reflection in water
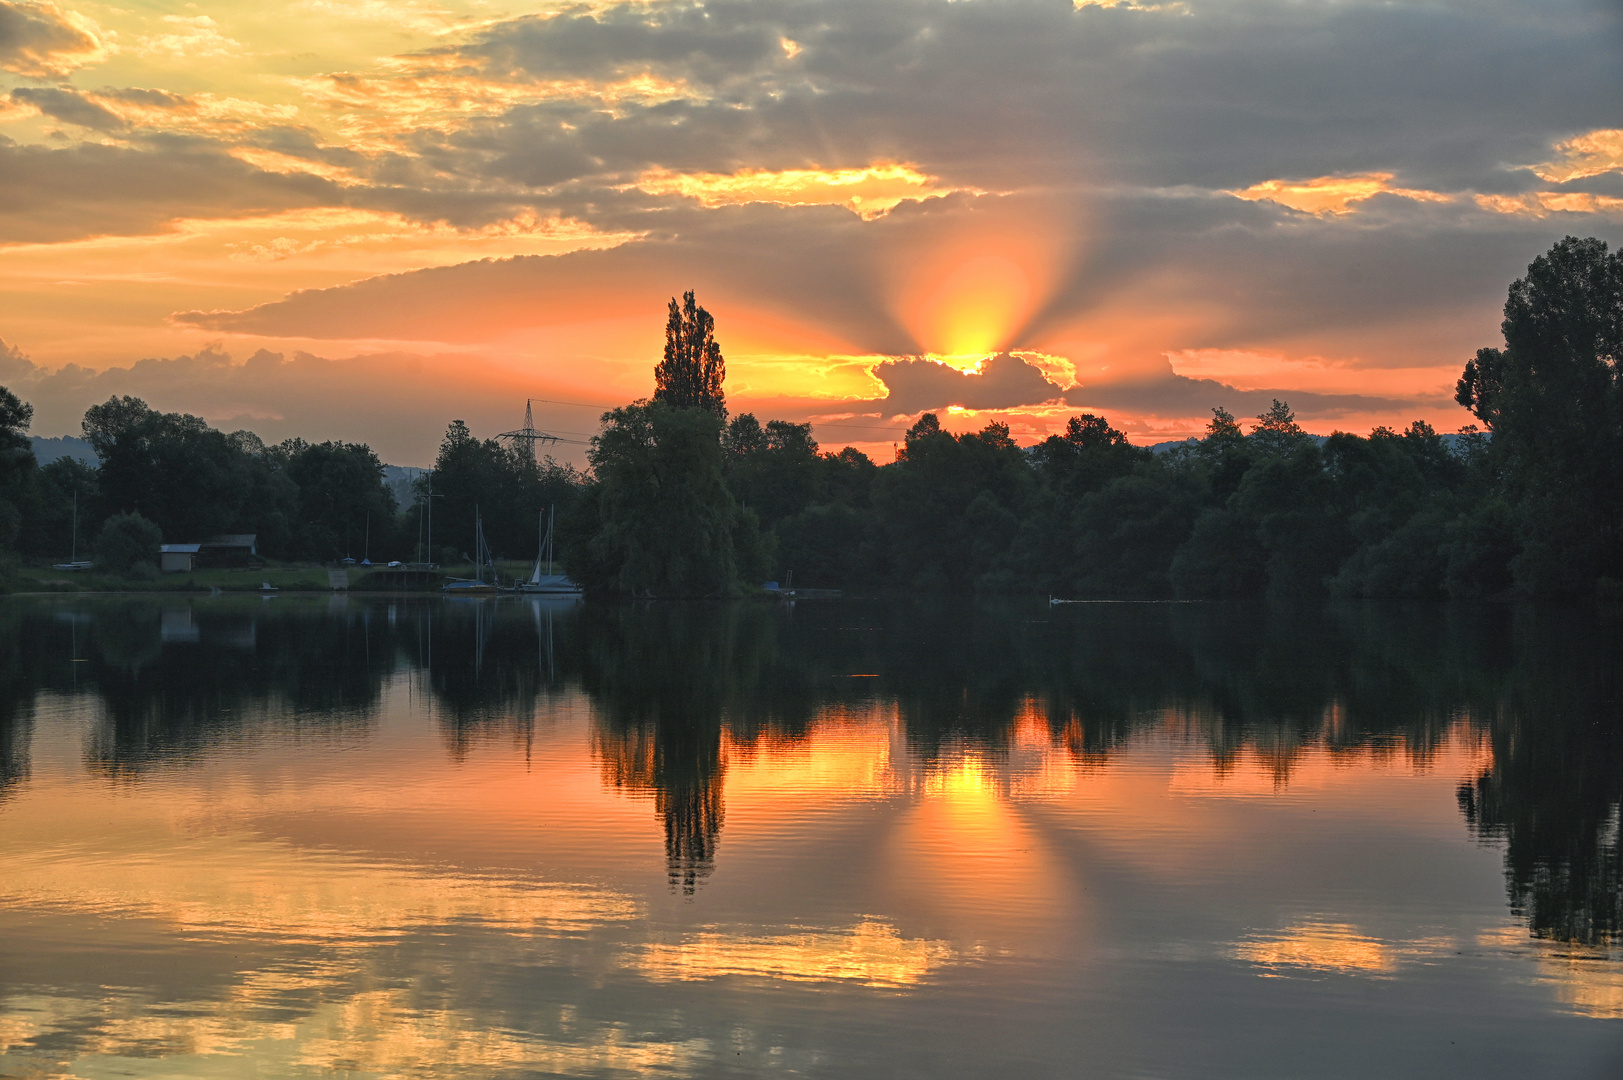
(674,688)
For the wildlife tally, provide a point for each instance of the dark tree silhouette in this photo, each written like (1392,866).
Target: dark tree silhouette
(693,369)
(16,462)
(1553,399)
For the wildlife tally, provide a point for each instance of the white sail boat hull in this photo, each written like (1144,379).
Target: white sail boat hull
(549,583)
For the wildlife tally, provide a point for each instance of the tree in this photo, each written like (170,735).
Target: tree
(951,505)
(693,369)
(1225,453)
(505,485)
(657,518)
(128,544)
(775,470)
(16,462)
(60,488)
(1088,456)
(1276,432)
(181,474)
(1553,400)
(341,496)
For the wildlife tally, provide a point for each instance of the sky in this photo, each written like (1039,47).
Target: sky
(361,219)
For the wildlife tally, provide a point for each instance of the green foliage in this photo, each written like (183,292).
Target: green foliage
(1088,456)
(188,479)
(951,505)
(1129,531)
(128,544)
(1222,557)
(341,496)
(49,525)
(691,374)
(505,486)
(773,470)
(657,518)
(1553,399)
(1276,432)
(16,463)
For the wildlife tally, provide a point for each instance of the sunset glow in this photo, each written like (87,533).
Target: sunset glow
(842,188)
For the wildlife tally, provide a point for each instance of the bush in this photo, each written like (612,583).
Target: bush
(128,544)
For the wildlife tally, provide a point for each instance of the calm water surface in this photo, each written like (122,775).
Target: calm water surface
(504,838)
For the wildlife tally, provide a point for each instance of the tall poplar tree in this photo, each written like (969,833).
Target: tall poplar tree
(693,369)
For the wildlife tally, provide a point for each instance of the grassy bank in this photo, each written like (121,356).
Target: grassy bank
(292,577)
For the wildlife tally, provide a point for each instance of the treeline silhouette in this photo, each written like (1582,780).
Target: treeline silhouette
(671,686)
(681,502)
(171,478)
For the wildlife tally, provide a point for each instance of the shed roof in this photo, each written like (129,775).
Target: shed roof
(178,549)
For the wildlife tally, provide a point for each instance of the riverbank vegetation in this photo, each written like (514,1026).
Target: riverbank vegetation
(682,499)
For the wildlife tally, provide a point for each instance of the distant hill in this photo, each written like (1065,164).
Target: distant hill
(398,479)
(49,450)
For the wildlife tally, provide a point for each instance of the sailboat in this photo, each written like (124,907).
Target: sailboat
(548,582)
(481,562)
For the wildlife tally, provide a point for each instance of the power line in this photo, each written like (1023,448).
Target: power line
(815,423)
(527,436)
(582,404)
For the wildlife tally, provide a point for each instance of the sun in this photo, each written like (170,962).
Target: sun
(976,307)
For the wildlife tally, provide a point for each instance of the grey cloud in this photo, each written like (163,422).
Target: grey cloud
(813,265)
(91,190)
(1003,382)
(68,106)
(1388,280)
(706,42)
(1003,96)
(994,94)
(1173,395)
(40,41)
(141,95)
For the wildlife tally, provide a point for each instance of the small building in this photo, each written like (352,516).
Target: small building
(178,558)
(229,549)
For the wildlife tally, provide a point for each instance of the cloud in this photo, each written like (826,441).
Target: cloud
(1168,394)
(189,37)
(732,258)
(1541,204)
(868,191)
(1582,156)
(1334,180)
(68,106)
(92,190)
(916,385)
(41,41)
(1332,194)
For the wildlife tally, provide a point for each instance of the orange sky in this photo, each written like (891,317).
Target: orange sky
(436,210)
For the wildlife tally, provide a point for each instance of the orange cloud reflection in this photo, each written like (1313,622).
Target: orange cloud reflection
(1335,947)
(871,953)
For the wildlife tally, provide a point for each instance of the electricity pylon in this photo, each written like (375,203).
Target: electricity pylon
(527,436)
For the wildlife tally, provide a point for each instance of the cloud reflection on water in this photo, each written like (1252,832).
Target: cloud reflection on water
(451,866)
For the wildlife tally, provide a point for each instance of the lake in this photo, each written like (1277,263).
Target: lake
(417,837)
